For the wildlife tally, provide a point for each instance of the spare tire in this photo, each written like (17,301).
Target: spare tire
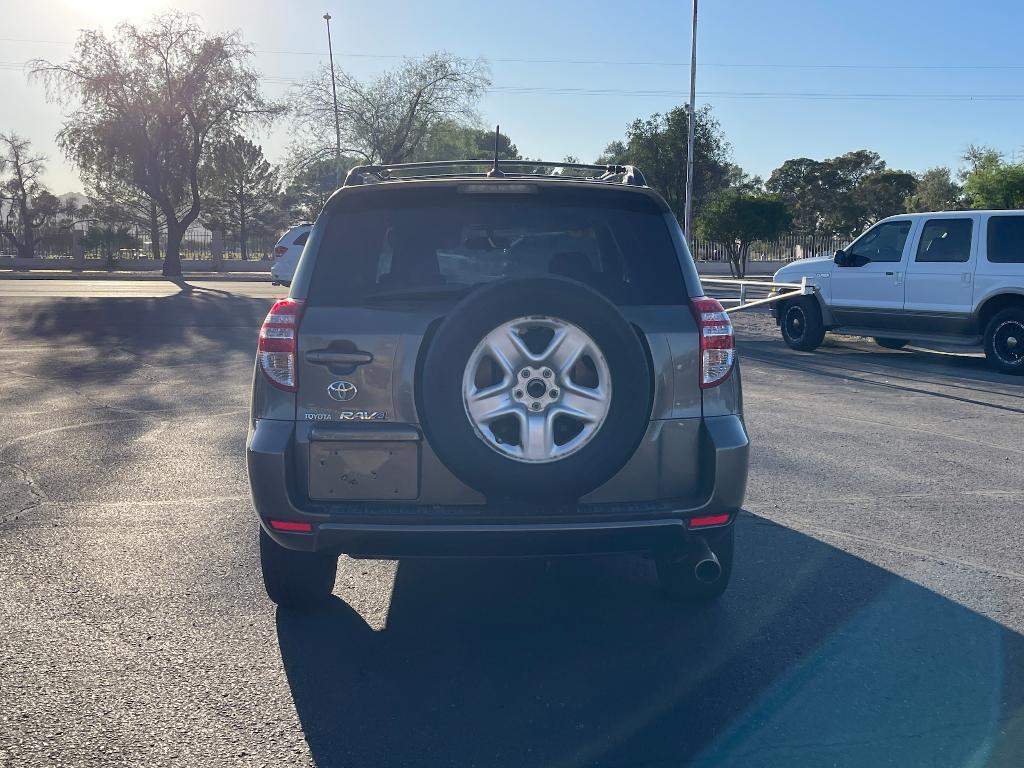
(535,389)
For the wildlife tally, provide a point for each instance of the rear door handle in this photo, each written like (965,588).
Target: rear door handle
(890,274)
(323,357)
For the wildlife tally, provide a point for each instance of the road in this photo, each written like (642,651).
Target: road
(874,619)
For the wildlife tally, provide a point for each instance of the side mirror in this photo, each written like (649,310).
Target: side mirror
(840,258)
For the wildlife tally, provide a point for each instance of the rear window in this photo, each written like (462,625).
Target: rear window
(441,243)
(1006,239)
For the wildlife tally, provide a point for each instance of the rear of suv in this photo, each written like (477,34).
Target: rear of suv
(510,363)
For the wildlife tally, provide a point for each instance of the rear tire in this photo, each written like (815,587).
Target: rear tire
(1004,341)
(296,580)
(801,324)
(891,343)
(676,573)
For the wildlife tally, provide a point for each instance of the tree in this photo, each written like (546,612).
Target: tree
(151,103)
(736,219)
(840,195)
(991,182)
(309,187)
(883,193)
(25,204)
(450,140)
(936,191)
(657,146)
(240,190)
(388,119)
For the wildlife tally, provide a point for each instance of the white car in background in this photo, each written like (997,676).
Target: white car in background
(955,277)
(287,252)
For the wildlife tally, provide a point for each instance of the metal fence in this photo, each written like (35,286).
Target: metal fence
(55,244)
(135,243)
(258,246)
(787,248)
(130,243)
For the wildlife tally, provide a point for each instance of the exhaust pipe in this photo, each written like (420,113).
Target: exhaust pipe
(706,568)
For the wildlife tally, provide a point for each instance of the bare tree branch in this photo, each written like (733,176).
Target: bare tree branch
(385,120)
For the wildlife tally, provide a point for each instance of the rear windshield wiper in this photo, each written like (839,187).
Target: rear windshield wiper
(422,292)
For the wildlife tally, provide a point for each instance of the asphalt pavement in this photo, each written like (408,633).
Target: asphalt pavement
(874,618)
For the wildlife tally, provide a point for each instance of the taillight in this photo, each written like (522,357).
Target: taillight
(708,521)
(278,345)
(290,525)
(280,250)
(717,342)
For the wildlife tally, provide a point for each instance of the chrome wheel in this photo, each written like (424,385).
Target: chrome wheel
(1008,342)
(536,389)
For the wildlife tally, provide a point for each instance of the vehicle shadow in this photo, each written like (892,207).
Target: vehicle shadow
(917,371)
(814,657)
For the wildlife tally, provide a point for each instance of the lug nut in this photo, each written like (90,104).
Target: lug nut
(525,374)
(518,393)
(553,393)
(536,406)
(547,373)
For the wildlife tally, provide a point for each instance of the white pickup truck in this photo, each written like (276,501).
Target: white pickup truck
(955,277)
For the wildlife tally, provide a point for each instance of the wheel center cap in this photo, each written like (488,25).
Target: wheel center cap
(1011,342)
(536,388)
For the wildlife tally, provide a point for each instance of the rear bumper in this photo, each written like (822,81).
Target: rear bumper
(406,530)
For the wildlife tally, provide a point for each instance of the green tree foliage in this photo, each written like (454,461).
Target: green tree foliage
(736,219)
(25,204)
(883,193)
(450,140)
(657,146)
(241,190)
(388,119)
(151,103)
(309,186)
(991,182)
(936,191)
(840,195)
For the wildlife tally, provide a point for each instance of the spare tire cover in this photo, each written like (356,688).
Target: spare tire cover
(535,389)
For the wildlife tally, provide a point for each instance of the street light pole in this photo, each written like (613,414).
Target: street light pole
(691,137)
(334,92)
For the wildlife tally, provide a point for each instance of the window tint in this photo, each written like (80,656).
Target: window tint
(1006,239)
(883,243)
(439,242)
(301,239)
(945,240)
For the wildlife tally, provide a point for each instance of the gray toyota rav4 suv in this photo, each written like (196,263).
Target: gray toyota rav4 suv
(517,361)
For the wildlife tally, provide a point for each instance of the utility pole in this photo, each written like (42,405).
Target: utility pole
(334,92)
(691,138)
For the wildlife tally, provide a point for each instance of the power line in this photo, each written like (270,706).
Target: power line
(623,63)
(762,95)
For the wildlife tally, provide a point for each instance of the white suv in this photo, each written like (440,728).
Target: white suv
(287,252)
(955,277)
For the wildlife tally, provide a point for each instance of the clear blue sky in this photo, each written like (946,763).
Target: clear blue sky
(753,53)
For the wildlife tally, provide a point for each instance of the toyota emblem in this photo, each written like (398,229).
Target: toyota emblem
(342,391)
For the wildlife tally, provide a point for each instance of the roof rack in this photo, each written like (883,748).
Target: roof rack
(376,174)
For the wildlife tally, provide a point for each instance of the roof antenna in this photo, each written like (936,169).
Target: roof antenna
(495,171)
